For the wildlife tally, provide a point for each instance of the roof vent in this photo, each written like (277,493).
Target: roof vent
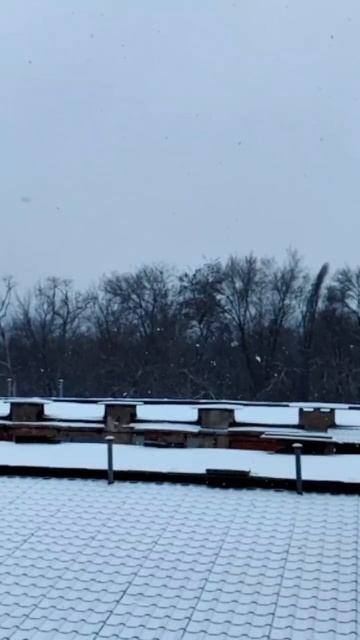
(26,409)
(316,419)
(119,414)
(216,417)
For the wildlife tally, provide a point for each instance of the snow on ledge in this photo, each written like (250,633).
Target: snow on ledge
(29,401)
(167,413)
(74,411)
(121,403)
(344,468)
(268,415)
(4,408)
(347,418)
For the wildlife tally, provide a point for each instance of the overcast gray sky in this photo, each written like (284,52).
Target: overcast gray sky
(137,131)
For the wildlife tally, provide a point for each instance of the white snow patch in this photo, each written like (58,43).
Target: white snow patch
(347,418)
(343,434)
(121,403)
(93,456)
(74,411)
(25,400)
(4,408)
(319,405)
(268,415)
(167,413)
(166,426)
(141,560)
(217,406)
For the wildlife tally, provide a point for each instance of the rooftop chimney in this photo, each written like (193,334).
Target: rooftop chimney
(26,409)
(119,414)
(316,419)
(216,417)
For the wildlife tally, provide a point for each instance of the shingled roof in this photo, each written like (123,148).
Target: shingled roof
(81,559)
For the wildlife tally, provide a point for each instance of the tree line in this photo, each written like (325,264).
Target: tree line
(247,327)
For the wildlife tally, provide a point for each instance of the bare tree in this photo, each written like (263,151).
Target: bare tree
(344,292)
(244,287)
(143,305)
(201,310)
(250,328)
(283,287)
(312,299)
(6,298)
(339,346)
(48,321)
(144,297)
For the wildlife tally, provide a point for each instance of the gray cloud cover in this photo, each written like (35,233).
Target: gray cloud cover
(156,130)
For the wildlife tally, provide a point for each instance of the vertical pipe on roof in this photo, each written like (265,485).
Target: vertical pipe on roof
(60,387)
(110,462)
(297,450)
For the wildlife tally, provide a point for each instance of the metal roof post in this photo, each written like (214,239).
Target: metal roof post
(110,460)
(297,450)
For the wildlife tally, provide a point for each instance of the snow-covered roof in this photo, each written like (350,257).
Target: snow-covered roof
(4,408)
(82,560)
(217,406)
(335,435)
(26,400)
(268,422)
(250,414)
(333,468)
(167,412)
(74,411)
(347,418)
(319,405)
(122,403)
(95,411)
(267,415)
(166,426)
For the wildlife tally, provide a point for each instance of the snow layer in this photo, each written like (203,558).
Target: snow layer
(267,415)
(166,426)
(347,418)
(187,414)
(74,411)
(167,412)
(319,405)
(4,409)
(336,434)
(80,560)
(93,456)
